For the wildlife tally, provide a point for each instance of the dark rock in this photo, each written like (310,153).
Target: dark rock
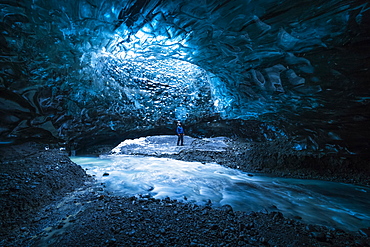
(24,229)
(214,227)
(365,231)
(277,215)
(319,236)
(111,242)
(227,208)
(115,213)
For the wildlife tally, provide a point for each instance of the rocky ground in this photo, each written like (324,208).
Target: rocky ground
(272,159)
(47,200)
(276,159)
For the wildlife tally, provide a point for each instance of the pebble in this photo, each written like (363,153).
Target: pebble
(115,213)
(112,241)
(214,227)
(365,231)
(319,236)
(24,229)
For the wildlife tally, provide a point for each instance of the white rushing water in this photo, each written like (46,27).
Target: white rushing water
(317,202)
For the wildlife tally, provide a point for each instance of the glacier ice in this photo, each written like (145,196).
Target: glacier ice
(88,69)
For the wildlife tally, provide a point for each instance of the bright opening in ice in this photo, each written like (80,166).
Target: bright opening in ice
(157,90)
(150,74)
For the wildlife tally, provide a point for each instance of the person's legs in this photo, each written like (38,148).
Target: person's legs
(182,140)
(178,139)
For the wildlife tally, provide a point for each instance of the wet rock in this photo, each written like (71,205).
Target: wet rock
(264,241)
(36,219)
(365,231)
(24,229)
(115,213)
(310,228)
(227,208)
(214,227)
(277,215)
(319,236)
(249,226)
(111,242)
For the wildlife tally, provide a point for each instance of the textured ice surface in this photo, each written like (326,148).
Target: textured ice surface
(166,144)
(72,70)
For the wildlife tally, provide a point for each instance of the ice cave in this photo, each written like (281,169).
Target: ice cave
(287,80)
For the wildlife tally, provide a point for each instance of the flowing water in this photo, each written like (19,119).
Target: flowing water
(316,202)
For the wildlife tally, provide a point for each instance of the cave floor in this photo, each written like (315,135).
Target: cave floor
(272,158)
(47,200)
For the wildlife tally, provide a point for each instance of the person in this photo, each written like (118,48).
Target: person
(180,134)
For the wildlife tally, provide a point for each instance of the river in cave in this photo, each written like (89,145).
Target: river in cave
(331,204)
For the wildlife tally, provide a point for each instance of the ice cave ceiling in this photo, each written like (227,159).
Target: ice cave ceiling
(91,71)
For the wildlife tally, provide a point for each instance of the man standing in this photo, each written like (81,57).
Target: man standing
(180,134)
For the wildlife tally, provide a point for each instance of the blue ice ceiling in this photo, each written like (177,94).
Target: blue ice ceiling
(83,70)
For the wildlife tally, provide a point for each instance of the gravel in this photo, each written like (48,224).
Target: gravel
(47,200)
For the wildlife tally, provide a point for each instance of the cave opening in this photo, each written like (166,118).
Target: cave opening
(143,89)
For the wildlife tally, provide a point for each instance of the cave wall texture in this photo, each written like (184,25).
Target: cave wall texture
(86,72)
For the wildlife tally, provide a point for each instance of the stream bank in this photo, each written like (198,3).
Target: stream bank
(57,204)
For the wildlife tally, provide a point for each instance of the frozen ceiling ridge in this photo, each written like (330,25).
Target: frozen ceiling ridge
(297,66)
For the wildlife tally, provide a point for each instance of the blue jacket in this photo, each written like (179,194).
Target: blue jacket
(180,130)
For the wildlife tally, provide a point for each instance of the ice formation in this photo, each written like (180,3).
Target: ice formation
(89,71)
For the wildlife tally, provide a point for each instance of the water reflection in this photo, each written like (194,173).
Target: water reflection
(332,204)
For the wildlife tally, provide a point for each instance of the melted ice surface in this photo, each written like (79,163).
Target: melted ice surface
(317,202)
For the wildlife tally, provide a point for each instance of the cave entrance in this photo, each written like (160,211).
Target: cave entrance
(144,79)
(158,91)
(139,84)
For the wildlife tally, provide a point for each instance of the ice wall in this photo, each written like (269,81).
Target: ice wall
(91,69)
